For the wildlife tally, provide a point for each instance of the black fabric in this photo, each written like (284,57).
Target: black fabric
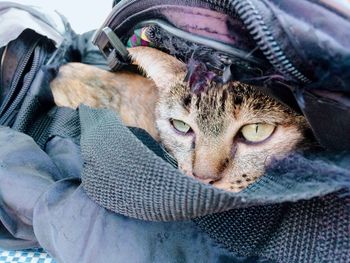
(326,114)
(305,44)
(149,142)
(26,55)
(82,50)
(297,212)
(301,196)
(306,231)
(37,114)
(50,209)
(29,64)
(115,2)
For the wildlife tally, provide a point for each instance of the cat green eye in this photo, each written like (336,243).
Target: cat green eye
(257,132)
(180,126)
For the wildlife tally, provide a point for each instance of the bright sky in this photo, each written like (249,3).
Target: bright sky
(83,15)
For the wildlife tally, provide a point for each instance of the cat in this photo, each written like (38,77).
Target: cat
(131,95)
(224,136)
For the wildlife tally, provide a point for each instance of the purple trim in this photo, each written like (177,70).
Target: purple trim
(202,22)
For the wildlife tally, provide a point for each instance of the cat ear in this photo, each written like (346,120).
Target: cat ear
(163,69)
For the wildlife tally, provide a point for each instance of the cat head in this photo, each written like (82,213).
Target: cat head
(225,135)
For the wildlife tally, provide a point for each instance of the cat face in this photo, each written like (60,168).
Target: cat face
(224,136)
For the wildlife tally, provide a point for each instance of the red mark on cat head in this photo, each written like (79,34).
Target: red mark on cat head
(198,76)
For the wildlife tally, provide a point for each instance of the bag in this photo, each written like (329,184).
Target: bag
(297,212)
(299,47)
(300,54)
(34,45)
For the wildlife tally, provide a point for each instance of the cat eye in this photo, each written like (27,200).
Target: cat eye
(180,126)
(257,132)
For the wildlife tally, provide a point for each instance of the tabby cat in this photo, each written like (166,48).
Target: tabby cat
(224,136)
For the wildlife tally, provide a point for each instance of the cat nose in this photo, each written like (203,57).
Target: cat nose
(209,167)
(209,172)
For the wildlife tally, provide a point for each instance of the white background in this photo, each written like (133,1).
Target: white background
(83,15)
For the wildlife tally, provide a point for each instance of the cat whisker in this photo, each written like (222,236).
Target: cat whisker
(171,159)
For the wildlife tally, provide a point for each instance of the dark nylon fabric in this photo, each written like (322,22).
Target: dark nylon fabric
(296,213)
(315,37)
(50,208)
(305,231)
(305,42)
(40,192)
(117,144)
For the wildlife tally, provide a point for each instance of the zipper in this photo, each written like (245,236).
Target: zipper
(245,10)
(11,105)
(16,79)
(256,26)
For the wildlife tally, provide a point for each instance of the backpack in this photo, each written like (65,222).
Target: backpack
(304,44)
(298,52)
(297,212)
(35,53)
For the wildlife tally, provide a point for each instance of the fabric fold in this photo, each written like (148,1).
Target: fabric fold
(15,18)
(124,176)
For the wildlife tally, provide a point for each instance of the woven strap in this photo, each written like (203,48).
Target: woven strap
(125,176)
(289,215)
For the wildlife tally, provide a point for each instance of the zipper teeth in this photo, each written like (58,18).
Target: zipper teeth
(257,28)
(27,81)
(262,35)
(16,79)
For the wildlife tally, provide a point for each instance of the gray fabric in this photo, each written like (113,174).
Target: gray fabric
(85,232)
(71,226)
(59,216)
(66,156)
(109,178)
(25,172)
(298,212)
(316,230)
(15,18)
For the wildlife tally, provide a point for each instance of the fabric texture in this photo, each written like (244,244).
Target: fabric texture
(51,203)
(299,46)
(88,189)
(15,18)
(30,256)
(298,212)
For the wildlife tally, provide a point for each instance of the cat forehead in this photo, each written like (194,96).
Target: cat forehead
(220,104)
(229,98)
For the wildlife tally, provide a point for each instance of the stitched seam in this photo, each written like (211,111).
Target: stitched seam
(210,31)
(184,11)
